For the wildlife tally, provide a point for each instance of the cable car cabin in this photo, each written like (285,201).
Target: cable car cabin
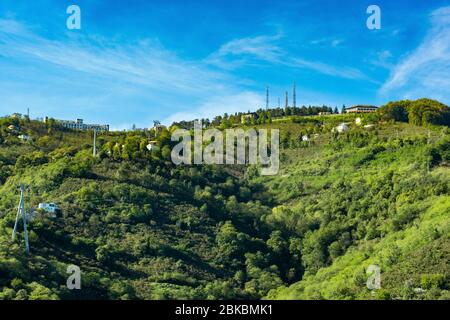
(50,208)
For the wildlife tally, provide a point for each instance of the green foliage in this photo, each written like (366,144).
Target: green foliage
(421,112)
(141,228)
(396,111)
(378,202)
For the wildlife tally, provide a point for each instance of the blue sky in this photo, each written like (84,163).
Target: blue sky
(134,61)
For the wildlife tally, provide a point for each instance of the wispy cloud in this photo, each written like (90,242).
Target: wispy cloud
(262,47)
(341,72)
(139,63)
(382,59)
(426,70)
(91,75)
(238,52)
(336,42)
(327,42)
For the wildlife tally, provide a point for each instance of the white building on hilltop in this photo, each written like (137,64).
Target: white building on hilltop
(80,125)
(361,109)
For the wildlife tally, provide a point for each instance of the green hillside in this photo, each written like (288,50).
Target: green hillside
(375,198)
(140,227)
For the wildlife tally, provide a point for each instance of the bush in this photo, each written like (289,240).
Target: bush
(430,281)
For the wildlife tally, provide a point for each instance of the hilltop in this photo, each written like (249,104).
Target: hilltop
(140,227)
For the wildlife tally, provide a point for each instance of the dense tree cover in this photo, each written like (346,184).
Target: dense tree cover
(369,197)
(420,112)
(138,227)
(141,228)
(260,116)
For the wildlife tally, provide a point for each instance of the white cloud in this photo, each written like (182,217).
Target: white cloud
(139,64)
(336,42)
(88,76)
(382,59)
(262,47)
(342,72)
(327,42)
(105,81)
(240,52)
(425,72)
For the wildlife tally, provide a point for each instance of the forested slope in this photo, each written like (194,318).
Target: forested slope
(369,198)
(141,228)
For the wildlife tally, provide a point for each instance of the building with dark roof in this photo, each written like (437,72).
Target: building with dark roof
(361,109)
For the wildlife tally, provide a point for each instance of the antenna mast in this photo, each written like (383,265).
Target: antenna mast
(295,96)
(267,97)
(286,103)
(21,213)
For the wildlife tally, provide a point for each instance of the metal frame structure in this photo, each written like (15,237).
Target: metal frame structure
(22,214)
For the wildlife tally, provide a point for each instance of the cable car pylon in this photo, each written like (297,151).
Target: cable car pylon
(21,214)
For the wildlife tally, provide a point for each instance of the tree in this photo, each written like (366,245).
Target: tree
(277,244)
(231,242)
(397,111)
(426,111)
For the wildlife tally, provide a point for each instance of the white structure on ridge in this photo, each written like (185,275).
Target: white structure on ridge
(80,125)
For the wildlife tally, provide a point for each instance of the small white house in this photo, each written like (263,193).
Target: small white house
(48,207)
(419,290)
(24,137)
(152,146)
(342,127)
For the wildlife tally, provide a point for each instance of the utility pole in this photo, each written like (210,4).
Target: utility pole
(94,152)
(267,97)
(21,213)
